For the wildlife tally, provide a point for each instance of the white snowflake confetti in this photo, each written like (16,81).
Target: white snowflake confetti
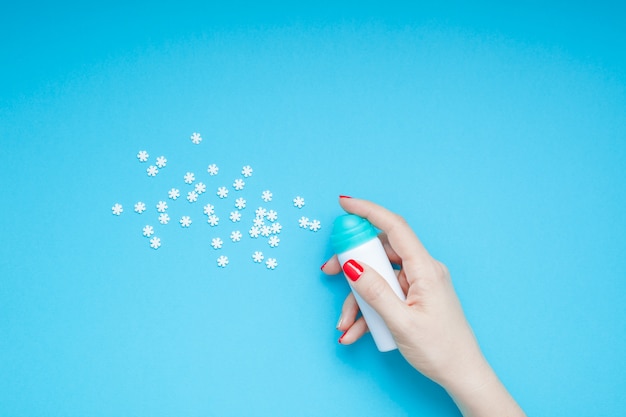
(185,221)
(196,138)
(254,232)
(272,216)
(240,203)
(304,222)
(161,206)
(246,171)
(213,170)
(117,209)
(239,184)
(266,231)
(315,225)
(222,261)
(260,212)
(213,220)
(174,193)
(143,156)
(236,236)
(217,243)
(258,257)
(271,263)
(276,228)
(298,202)
(200,188)
(267,196)
(155,243)
(152,171)
(140,207)
(209,209)
(192,196)
(222,192)
(235,216)
(148,231)
(161,161)
(273,241)
(189,178)
(258,222)
(164,218)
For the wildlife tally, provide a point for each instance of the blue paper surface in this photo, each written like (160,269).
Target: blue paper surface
(499,134)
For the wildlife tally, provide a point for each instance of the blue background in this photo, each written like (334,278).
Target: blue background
(499,132)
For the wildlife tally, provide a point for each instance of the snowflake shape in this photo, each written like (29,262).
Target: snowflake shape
(213,170)
(222,192)
(143,156)
(117,209)
(304,222)
(174,193)
(140,207)
(209,209)
(222,261)
(273,241)
(315,225)
(155,243)
(266,231)
(192,196)
(272,216)
(161,206)
(239,184)
(267,196)
(235,216)
(258,222)
(185,221)
(240,203)
(258,257)
(148,231)
(200,188)
(276,228)
(164,218)
(189,178)
(161,161)
(217,243)
(271,263)
(213,220)
(260,212)
(196,138)
(152,171)
(298,202)
(236,236)
(254,232)
(246,171)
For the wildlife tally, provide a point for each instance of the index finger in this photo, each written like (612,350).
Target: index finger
(401,237)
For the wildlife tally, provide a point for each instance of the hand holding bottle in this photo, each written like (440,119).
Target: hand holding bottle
(429,327)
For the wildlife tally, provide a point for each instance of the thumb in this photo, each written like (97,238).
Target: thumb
(374,290)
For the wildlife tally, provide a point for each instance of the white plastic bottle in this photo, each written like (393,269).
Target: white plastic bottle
(354,237)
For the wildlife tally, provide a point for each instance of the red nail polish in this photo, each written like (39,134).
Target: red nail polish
(353,270)
(344,196)
(322,267)
(344,333)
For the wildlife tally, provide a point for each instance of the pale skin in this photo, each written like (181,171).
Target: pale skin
(430,327)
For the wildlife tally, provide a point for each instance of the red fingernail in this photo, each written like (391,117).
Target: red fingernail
(352,269)
(344,333)
(344,196)
(322,267)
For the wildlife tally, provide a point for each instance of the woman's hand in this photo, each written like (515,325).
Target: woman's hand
(429,328)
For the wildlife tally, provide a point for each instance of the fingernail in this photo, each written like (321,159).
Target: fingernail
(322,267)
(339,323)
(344,196)
(344,333)
(352,269)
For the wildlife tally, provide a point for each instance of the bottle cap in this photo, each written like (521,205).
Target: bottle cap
(350,231)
